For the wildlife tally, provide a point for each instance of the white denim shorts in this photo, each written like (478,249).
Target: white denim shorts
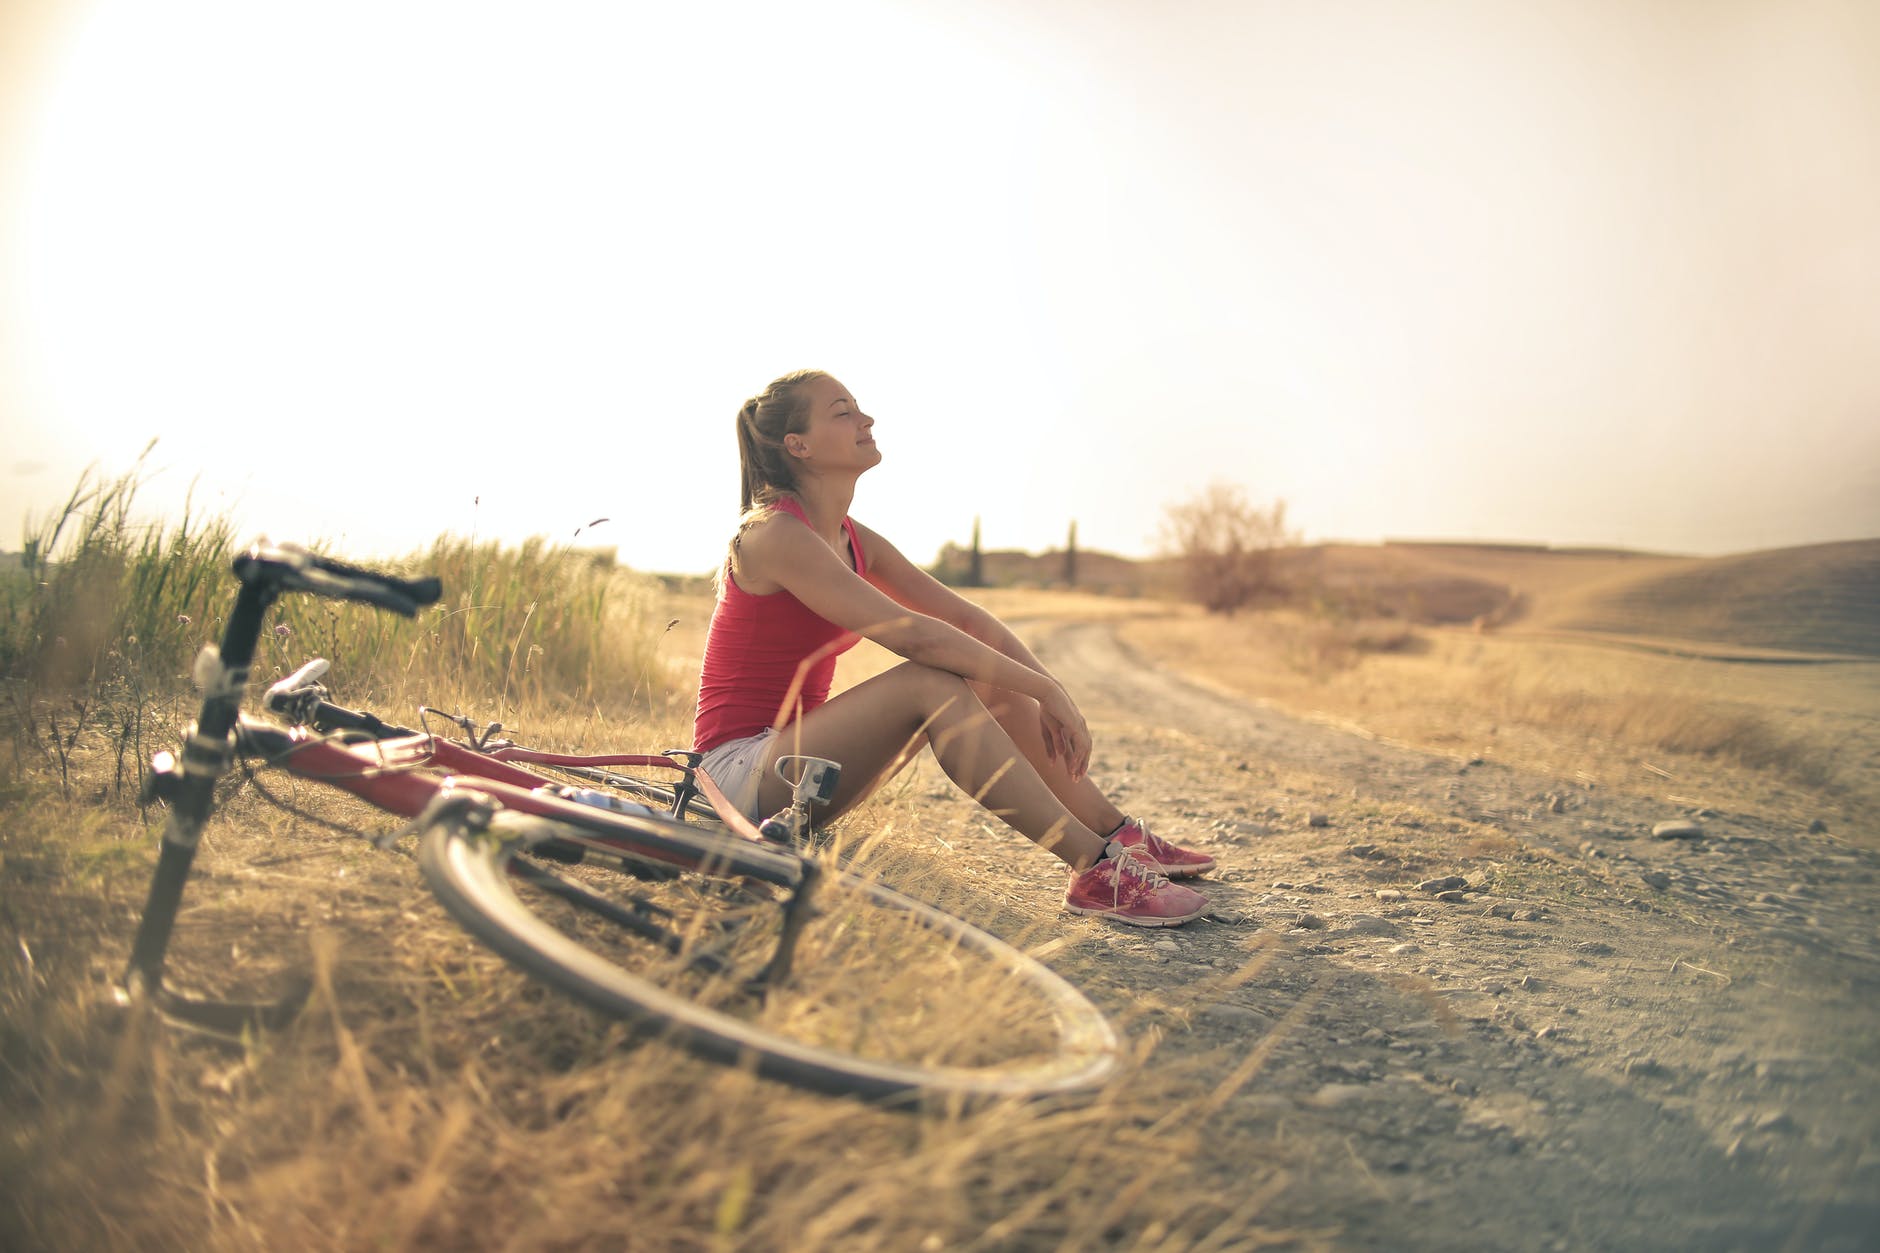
(737,767)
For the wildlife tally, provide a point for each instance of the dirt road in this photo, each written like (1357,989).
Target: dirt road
(1501,1013)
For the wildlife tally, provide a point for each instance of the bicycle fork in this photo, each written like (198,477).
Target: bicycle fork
(796,912)
(188,788)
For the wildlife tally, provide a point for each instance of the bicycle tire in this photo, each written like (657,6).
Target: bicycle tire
(473,875)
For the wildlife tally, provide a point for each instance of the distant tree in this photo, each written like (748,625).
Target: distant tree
(1070,557)
(976,565)
(1225,544)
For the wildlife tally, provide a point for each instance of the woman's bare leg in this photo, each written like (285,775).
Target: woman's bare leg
(1018,714)
(877,726)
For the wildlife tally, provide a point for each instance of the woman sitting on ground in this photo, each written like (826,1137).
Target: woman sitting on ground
(803,580)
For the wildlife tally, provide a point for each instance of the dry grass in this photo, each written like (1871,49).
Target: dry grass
(1800,739)
(1757,733)
(430,1097)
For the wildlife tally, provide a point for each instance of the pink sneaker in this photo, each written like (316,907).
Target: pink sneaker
(1170,859)
(1126,889)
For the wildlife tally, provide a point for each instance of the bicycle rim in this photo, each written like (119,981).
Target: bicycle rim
(886,998)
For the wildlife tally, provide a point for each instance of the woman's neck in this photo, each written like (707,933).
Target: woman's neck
(825,503)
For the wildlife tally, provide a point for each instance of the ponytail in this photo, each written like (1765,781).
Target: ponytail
(765,469)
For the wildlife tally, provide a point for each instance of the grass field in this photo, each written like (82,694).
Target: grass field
(1738,733)
(429,1097)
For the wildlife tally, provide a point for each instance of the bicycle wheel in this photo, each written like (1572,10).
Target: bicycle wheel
(807,973)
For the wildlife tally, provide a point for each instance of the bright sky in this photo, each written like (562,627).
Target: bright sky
(1568,271)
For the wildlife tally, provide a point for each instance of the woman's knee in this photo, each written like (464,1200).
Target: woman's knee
(939,697)
(935,687)
(1001,703)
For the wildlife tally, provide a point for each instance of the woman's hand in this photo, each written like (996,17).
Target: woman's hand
(1066,738)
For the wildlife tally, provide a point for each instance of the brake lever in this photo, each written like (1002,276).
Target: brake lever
(482,740)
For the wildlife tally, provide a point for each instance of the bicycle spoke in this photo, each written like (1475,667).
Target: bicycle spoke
(638,915)
(819,976)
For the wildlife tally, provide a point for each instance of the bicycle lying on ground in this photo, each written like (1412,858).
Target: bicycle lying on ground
(741,950)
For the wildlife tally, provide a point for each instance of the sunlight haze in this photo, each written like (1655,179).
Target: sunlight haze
(1574,273)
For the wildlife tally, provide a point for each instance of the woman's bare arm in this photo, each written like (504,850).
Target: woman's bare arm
(911,586)
(781,552)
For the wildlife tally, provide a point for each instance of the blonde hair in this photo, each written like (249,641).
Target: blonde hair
(766,468)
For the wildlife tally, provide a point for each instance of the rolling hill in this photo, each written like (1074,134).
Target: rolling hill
(1816,599)
(1822,598)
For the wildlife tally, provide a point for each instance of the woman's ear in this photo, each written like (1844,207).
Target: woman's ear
(795,445)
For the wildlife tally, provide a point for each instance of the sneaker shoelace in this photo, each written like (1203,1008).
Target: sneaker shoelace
(1135,879)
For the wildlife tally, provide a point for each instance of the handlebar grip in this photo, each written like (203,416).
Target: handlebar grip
(420,592)
(292,568)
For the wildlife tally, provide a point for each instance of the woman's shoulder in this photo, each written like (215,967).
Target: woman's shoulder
(769,539)
(769,517)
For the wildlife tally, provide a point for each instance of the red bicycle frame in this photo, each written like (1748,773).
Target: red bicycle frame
(405,774)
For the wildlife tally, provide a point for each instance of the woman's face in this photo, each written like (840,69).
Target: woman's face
(838,435)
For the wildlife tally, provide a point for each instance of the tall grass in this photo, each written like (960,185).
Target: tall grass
(100,595)
(107,611)
(518,627)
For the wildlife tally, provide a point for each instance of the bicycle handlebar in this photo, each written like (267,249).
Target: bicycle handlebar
(265,571)
(301,697)
(290,567)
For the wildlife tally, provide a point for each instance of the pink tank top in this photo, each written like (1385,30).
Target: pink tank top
(754,649)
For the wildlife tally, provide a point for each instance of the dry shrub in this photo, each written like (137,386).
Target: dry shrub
(1322,647)
(1225,545)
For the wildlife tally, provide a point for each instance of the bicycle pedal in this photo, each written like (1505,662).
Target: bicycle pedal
(786,827)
